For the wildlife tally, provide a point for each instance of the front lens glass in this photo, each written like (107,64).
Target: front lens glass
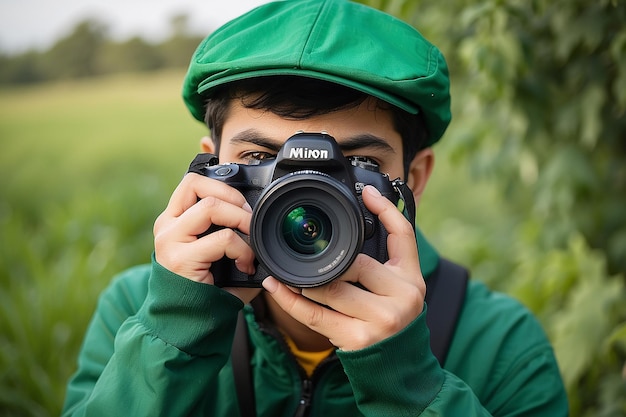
(307,230)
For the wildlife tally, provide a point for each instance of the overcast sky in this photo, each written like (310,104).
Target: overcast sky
(26,24)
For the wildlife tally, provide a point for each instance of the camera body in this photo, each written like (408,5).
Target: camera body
(308,220)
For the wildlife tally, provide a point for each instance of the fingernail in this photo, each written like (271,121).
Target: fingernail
(372,190)
(247,207)
(270,284)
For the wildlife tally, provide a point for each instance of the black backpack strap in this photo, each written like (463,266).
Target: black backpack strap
(445,294)
(242,371)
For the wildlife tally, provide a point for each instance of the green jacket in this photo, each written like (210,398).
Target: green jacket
(159,345)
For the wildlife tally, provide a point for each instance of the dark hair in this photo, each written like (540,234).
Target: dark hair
(299,98)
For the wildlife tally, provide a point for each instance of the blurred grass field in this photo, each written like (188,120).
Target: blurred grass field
(85,168)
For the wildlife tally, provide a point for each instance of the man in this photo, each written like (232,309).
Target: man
(160,341)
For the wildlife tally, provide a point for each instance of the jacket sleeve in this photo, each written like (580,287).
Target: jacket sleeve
(500,364)
(140,357)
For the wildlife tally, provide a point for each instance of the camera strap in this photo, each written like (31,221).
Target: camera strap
(201,161)
(445,295)
(406,203)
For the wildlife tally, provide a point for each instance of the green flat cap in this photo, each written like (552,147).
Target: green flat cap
(332,40)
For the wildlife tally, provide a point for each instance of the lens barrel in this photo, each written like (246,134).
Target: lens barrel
(306,228)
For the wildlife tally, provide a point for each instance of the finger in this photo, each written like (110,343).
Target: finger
(193,260)
(343,331)
(386,279)
(346,298)
(212,211)
(377,283)
(194,186)
(371,275)
(226,242)
(401,242)
(307,312)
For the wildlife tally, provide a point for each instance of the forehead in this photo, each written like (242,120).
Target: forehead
(368,118)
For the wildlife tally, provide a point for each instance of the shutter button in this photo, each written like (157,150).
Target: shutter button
(223,171)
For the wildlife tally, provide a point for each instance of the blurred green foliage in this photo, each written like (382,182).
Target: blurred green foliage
(89,51)
(85,168)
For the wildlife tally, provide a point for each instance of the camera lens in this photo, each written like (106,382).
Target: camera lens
(307,230)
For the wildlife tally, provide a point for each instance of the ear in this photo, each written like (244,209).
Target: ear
(419,172)
(207,145)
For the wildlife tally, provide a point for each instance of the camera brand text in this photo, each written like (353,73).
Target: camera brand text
(306,153)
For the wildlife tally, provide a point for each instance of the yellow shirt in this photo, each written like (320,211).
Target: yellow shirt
(308,360)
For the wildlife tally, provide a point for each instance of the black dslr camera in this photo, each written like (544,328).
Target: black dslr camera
(308,220)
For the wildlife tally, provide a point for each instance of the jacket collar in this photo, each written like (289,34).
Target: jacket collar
(429,258)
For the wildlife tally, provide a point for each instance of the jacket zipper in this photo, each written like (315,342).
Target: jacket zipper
(305,398)
(307,384)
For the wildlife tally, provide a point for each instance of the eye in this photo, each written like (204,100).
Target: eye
(257,156)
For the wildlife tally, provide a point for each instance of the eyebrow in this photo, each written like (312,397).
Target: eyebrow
(365,140)
(255,137)
(352,143)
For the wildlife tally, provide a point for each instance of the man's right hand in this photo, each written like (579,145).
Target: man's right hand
(197,204)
